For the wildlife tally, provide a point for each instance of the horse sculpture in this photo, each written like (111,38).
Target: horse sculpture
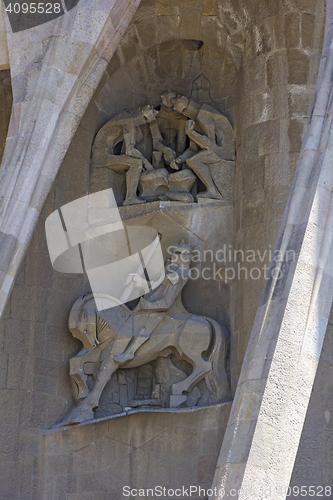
(118,337)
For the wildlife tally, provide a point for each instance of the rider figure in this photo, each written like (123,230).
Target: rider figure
(163,299)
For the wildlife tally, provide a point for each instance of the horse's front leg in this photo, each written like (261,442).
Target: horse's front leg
(85,410)
(108,367)
(78,374)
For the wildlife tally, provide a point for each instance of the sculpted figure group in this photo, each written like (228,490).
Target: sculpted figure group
(188,141)
(119,337)
(184,152)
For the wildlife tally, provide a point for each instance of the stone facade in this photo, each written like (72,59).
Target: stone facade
(96,461)
(255,62)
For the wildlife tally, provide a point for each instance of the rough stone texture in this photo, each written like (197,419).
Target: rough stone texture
(5,107)
(314,456)
(35,342)
(141,451)
(4,58)
(266,110)
(55,69)
(169,329)
(269,113)
(286,341)
(270,109)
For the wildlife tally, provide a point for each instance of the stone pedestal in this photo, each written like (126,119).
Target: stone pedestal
(171,449)
(208,228)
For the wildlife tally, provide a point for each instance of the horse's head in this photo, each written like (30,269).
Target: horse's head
(92,326)
(82,321)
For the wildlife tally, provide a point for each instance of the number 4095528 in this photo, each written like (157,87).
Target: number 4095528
(33,8)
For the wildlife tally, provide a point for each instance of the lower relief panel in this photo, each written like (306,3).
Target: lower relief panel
(104,460)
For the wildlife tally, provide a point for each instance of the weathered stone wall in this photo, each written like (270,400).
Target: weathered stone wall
(154,57)
(270,107)
(261,61)
(144,450)
(313,465)
(6,99)
(35,342)
(4,57)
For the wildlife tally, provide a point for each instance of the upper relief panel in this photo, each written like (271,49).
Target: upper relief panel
(183,151)
(186,71)
(165,144)
(187,48)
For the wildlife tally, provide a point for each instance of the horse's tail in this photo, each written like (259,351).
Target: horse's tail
(217,379)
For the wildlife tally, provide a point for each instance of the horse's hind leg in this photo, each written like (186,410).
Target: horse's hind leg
(181,389)
(194,340)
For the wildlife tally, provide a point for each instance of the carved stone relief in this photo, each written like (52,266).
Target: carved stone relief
(177,167)
(182,152)
(157,328)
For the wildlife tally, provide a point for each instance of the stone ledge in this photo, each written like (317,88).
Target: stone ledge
(130,211)
(197,409)
(142,449)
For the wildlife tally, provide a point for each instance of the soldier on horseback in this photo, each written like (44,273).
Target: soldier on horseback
(118,337)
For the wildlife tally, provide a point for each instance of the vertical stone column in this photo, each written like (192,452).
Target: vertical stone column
(4,58)
(280,364)
(272,104)
(55,69)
